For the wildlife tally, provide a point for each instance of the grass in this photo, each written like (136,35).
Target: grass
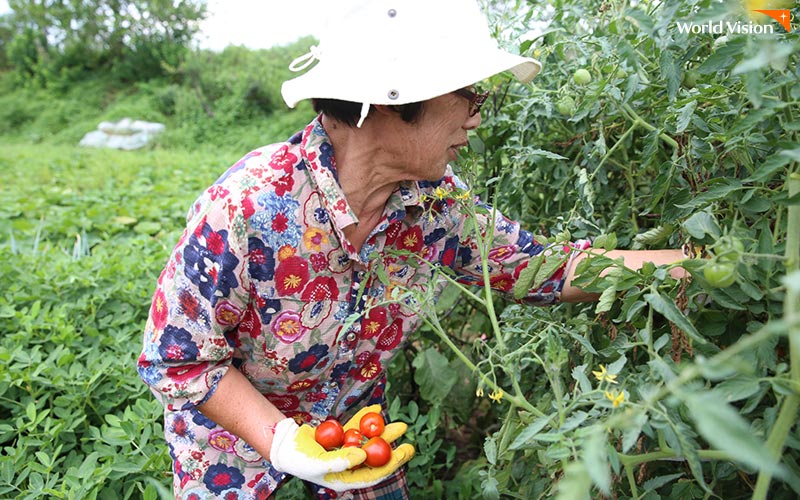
(85,232)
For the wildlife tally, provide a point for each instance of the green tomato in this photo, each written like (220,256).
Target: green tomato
(719,274)
(582,77)
(729,249)
(566,106)
(690,79)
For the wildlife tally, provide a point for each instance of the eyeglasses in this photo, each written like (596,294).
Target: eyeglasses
(475,99)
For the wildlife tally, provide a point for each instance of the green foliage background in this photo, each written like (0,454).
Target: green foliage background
(678,137)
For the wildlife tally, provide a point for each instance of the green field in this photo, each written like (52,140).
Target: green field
(662,389)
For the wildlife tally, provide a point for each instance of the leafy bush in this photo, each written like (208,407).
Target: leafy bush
(662,388)
(205,101)
(56,44)
(84,231)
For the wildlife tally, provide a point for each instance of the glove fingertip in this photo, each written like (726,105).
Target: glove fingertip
(353,454)
(403,453)
(356,419)
(393,431)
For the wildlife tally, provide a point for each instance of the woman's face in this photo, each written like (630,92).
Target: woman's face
(427,145)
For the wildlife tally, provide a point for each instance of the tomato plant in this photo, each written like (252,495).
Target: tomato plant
(329,434)
(662,388)
(371,425)
(378,452)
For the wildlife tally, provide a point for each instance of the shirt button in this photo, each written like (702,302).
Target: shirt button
(351,337)
(361,275)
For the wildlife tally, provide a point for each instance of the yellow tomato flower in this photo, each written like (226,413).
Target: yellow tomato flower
(464,195)
(604,376)
(440,193)
(496,395)
(616,398)
(479,392)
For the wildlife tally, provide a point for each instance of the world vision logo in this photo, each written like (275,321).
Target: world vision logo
(768,8)
(760,14)
(783,16)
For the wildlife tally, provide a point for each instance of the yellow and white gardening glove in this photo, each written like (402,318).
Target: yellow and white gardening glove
(296,452)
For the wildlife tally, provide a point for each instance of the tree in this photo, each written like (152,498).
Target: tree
(56,40)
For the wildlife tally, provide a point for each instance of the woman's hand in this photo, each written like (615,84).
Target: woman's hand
(296,452)
(633,259)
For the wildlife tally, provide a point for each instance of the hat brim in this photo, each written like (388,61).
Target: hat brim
(445,74)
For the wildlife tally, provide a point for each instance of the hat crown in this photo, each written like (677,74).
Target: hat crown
(399,51)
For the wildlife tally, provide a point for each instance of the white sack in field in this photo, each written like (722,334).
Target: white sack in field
(124,134)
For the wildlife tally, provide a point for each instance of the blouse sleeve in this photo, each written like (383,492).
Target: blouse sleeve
(200,297)
(511,251)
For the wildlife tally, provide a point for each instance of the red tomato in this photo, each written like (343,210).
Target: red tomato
(378,452)
(371,424)
(353,437)
(329,434)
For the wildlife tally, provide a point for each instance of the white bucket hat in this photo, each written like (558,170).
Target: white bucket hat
(401,51)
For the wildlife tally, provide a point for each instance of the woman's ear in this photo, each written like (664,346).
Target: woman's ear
(382,109)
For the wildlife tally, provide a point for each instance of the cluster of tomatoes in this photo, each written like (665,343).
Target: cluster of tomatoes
(331,435)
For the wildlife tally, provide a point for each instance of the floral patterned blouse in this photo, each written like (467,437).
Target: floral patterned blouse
(263,280)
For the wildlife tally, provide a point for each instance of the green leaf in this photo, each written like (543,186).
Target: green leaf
(575,484)
(30,411)
(616,367)
(726,430)
(771,165)
(737,388)
(43,458)
(685,115)
(606,300)
(631,433)
(595,459)
(490,449)
(579,375)
(701,224)
(582,340)
(715,192)
(667,308)
(433,376)
(147,227)
(380,271)
(573,421)
(605,241)
(489,488)
(533,153)
(528,433)
(766,56)
(524,282)
(753,83)
(659,481)
(669,72)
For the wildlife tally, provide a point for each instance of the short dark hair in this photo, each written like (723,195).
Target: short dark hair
(349,112)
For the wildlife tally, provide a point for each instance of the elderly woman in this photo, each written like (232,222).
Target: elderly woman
(247,344)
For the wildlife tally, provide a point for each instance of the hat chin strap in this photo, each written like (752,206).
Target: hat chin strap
(364,112)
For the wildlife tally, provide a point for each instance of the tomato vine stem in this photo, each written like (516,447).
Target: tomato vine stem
(787,417)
